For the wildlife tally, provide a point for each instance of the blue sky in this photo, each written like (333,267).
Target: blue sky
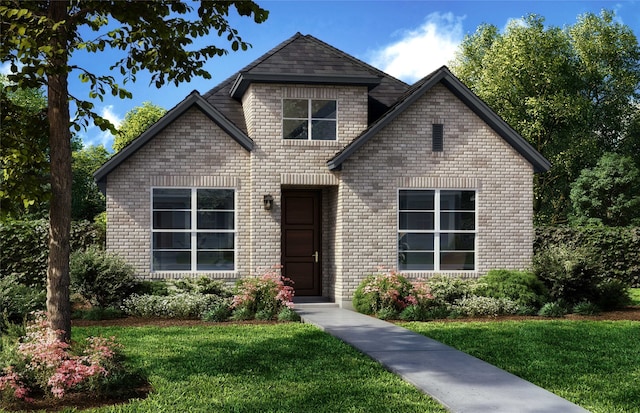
(407,39)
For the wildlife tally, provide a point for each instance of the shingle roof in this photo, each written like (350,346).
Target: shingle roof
(444,76)
(306,57)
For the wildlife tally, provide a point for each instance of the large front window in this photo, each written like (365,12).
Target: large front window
(309,119)
(436,230)
(193,229)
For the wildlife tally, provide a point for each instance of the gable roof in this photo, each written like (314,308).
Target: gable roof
(194,99)
(446,78)
(305,59)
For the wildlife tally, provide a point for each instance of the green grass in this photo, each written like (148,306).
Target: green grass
(635,296)
(257,368)
(595,364)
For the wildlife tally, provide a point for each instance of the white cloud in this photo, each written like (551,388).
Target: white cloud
(95,136)
(421,51)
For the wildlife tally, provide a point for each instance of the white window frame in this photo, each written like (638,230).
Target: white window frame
(437,230)
(310,119)
(194,230)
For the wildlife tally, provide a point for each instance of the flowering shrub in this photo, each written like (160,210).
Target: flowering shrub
(389,291)
(262,297)
(474,306)
(180,305)
(47,364)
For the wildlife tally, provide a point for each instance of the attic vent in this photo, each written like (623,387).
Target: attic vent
(437,144)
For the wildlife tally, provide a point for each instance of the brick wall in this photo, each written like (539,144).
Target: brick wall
(400,156)
(191,152)
(276,162)
(359,209)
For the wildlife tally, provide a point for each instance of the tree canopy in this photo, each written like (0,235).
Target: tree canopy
(609,193)
(24,158)
(569,91)
(38,40)
(136,121)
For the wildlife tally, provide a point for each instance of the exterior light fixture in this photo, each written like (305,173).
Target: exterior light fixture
(268,202)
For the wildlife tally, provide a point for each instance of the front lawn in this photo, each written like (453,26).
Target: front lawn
(257,368)
(595,364)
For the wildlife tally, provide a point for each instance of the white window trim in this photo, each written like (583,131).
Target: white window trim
(194,231)
(437,231)
(309,120)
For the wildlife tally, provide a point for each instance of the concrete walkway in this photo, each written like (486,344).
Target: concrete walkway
(462,383)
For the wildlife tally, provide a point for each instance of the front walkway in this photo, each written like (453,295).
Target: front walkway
(462,383)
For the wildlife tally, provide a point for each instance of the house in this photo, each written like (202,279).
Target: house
(312,159)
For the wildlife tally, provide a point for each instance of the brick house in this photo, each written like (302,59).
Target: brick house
(315,160)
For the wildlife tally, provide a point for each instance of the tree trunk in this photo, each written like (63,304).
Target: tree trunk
(58,280)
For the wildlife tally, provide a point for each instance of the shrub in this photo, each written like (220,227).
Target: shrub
(202,285)
(612,294)
(447,290)
(43,364)
(287,314)
(151,288)
(520,286)
(617,248)
(555,309)
(389,290)
(182,305)
(570,274)
(18,300)
(103,279)
(586,308)
(474,306)
(263,296)
(387,313)
(25,249)
(218,312)
(98,313)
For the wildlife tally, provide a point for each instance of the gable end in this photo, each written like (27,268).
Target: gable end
(193,100)
(453,84)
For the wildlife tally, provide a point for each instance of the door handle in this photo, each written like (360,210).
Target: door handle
(315,255)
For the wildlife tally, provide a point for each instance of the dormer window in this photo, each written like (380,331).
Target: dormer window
(309,119)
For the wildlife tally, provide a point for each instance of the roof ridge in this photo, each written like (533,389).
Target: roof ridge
(253,64)
(354,59)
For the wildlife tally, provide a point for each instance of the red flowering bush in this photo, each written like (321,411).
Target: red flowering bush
(45,365)
(262,297)
(388,293)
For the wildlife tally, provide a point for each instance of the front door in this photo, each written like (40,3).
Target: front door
(301,240)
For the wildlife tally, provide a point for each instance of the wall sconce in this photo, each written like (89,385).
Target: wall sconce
(268,202)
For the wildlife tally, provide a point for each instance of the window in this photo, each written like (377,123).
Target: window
(309,119)
(193,229)
(436,230)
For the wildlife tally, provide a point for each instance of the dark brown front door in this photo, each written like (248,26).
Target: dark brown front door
(301,240)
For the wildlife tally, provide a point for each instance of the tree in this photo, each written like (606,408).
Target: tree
(38,39)
(136,121)
(609,193)
(24,158)
(86,199)
(569,92)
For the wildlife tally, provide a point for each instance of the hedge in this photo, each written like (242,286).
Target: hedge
(618,248)
(24,247)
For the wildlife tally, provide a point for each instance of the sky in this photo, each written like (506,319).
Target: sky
(407,39)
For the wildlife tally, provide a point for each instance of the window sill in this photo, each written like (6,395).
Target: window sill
(307,142)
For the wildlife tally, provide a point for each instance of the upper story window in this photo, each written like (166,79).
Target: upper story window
(436,230)
(309,119)
(193,229)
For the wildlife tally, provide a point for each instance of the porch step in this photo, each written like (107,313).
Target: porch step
(309,305)
(313,302)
